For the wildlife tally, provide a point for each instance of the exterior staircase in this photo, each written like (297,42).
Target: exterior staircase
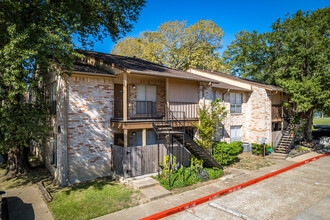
(177,129)
(286,142)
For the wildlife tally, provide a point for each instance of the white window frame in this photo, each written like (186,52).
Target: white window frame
(234,130)
(236,103)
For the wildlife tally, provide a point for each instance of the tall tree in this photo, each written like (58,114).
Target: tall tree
(294,55)
(35,36)
(177,45)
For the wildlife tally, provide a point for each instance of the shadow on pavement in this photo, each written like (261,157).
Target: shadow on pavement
(18,210)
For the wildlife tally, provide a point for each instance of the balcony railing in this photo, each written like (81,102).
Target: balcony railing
(189,108)
(143,109)
(154,110)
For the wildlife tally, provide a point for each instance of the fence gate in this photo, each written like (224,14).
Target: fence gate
(140,160)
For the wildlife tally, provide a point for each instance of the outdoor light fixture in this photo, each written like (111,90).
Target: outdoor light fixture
(133,133)
(133,86)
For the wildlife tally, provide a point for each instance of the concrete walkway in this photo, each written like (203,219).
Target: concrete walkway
(27,203)
(236,176)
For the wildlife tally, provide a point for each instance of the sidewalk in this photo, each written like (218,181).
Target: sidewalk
(27,203)
(236,176)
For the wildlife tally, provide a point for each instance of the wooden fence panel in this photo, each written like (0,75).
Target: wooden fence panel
(140,160)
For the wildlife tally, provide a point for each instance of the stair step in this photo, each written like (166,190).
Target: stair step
(144,183)
(155,192)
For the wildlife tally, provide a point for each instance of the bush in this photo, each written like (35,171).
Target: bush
(191,177)
(259,150)
(225,154)
(195,173)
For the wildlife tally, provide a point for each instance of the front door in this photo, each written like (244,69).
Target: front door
(118,101)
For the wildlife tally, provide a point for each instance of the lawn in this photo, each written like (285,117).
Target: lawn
(248,161)
(90,200)
(321,121)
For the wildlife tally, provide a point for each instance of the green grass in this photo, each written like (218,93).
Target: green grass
(91,200)
(321,121)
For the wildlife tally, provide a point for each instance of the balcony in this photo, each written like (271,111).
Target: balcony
(138,110)
(184,109)
(276,112)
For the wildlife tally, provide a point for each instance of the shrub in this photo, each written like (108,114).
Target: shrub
(259,150)
(195,173)
(225,154)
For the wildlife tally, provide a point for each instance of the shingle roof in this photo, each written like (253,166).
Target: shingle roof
(88,69)
(271,87)
(139,66)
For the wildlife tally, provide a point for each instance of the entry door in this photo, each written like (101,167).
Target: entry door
(118,101)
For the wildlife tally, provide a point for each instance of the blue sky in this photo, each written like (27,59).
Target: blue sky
(232,16)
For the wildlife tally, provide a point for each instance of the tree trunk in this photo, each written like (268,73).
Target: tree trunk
(308,126)
(18,162)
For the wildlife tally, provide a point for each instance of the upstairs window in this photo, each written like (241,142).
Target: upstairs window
(235,103)
(146,99)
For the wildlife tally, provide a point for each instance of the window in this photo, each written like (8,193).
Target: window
(54,150)
(276,126)
(53,94)
(151,138)
(235,102)
(146,99)
(235,133)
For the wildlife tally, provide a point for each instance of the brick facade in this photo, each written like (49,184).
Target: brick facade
(90,107)
(255,118)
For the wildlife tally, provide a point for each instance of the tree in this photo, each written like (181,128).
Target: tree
(210,117)
(37,36)
(177,45)
(294,55)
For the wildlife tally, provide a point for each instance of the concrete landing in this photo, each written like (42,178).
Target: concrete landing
(150,188)
(155,192)
(143,183)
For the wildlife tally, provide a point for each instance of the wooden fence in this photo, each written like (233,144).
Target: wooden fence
(140,160)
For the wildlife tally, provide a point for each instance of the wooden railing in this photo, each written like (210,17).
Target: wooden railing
(189,108)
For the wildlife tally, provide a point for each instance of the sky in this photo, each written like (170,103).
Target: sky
(230,15)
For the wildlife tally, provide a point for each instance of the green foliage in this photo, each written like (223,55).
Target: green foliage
(258,149)
(196,165)
(191,177)
(226,154)
(36,36)
(210,117)
(177,45)
(293,55)
(166,165)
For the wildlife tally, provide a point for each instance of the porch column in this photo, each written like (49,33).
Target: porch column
(144,137)
(167,95)
(125,138)
(125,93)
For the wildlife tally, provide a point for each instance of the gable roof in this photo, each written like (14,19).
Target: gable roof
(142,67)
(249,81)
